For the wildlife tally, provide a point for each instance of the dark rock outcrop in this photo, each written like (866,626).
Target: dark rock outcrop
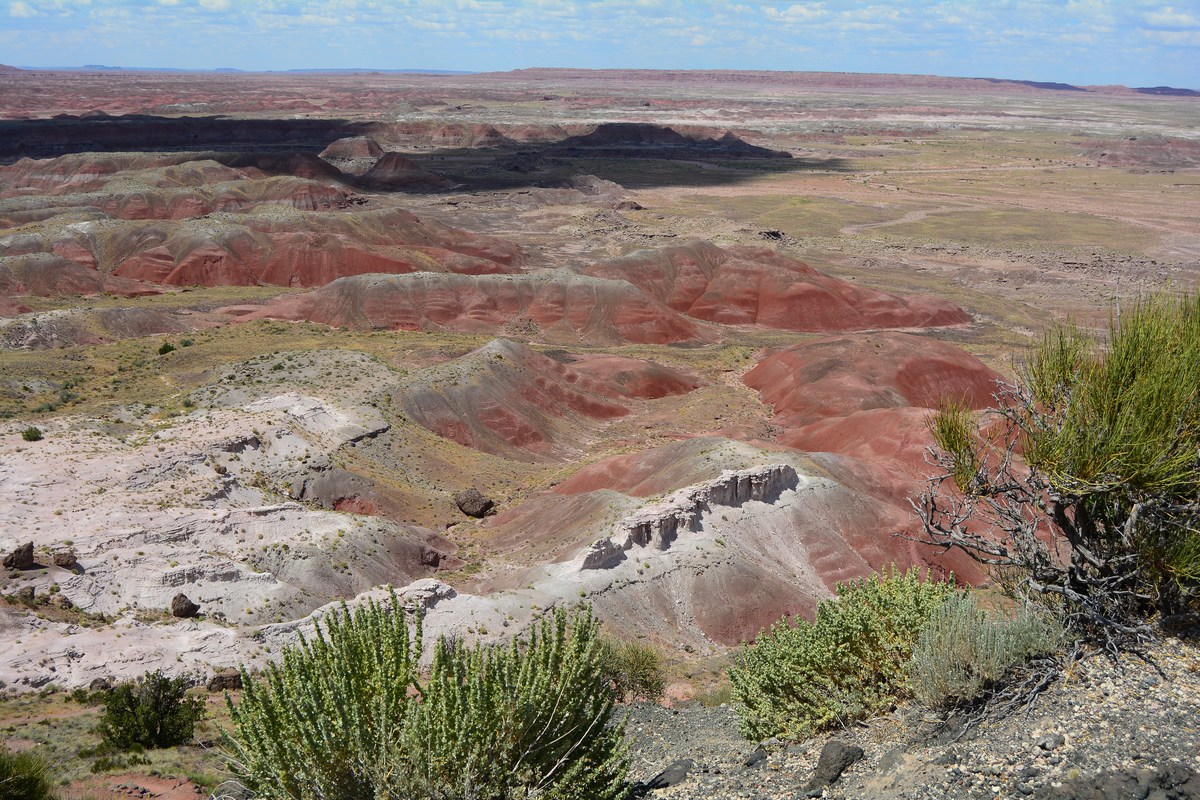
(225,680)
(836,757)
(183,607)
(21,558)
(472,503)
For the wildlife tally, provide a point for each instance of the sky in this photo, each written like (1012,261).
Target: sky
(1084,42)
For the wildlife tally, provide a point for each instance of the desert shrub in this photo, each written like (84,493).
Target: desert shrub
(153,712)
(32,434)
(963,651)
(23,776)
(166,347)
(635,669)
(1089,487)
(345,715)
(848,663)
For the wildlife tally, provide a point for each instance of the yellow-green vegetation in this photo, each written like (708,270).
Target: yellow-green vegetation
(1018,227)
(1110,429)
(346,715)
(634,668)
(848,663)
(24,776)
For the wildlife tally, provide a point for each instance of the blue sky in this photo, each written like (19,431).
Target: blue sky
(1132,42)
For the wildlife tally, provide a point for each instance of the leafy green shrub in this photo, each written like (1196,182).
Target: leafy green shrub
(32,434)
(846,664)
(153,712)
(165,348)
(962,651)
(346,716)
(1097,445)
(23,776)
(634,669)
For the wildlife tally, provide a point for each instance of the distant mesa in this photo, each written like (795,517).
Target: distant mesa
(841,375)
(7,68)
(759,286)
(1167,91)
(353,147)
(553,306)
(634,138)
(394,171)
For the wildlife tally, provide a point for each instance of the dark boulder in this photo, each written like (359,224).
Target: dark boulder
(473,504)
(21,558)
(225,680)
(183,607)
(835,758)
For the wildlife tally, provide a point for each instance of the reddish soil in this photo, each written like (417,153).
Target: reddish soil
(759,286)
(840,375)
(554,306)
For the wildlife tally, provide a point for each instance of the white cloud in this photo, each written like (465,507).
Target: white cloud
(22,10)
(1183,38)
(807,12)
(1170,18)
(215,5)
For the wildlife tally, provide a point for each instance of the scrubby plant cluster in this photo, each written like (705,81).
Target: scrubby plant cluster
(23,776)
(348,715)
(962,651)
(152,712)
(634,669)
(848,663)
(1088,488)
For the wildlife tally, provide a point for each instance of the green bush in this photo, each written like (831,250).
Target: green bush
(634,669)
(1089,490)
(23,776)
(153,712)
(165,348)
(962,651)
(346,716)
(847,664)
(32,434)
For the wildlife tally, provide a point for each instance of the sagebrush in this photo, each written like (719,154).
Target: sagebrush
(848,663)
(346,715)
(962,651)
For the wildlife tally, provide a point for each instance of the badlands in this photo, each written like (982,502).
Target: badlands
(682,330)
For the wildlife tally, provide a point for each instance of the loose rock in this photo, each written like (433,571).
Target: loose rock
(183,607)
(472,503)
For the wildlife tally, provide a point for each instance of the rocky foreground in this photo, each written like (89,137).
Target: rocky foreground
(1108,730)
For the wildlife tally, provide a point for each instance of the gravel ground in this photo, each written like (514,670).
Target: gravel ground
(1106,730)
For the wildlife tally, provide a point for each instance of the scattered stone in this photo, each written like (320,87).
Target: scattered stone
(100,684)
(25,594)
(675,773)
(63,602)
(758,756)
(835,758)
(225,680)
(1052,741)
(21,558)
(472,503)
(65,558)
(183,607)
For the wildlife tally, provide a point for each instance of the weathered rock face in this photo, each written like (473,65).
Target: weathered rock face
(226,680)
(660,524)
(759,286)
(182,607)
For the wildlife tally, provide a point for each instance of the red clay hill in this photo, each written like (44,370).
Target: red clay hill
(555,306)
(758,286)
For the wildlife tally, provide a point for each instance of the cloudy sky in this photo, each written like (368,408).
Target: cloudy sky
(1133,42)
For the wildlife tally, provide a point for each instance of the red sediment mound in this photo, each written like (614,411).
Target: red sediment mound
(394,171)
(11,308)
(508,400)
(631,377)
(352,147)
(78,172)
(557,306)
(837,376)
(758,286)
(44,275)
(308,250)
